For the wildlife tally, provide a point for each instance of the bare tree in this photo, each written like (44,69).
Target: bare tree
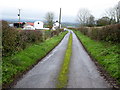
(82,16)
(111,13)
(49,18)
(117,10)
(114,14)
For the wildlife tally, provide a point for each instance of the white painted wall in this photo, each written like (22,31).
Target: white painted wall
(55,26)
(38,25)
(29,27)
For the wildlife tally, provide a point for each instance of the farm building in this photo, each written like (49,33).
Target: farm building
(38,25)
(29,23)
(55,25)
(19,24)
(29,26)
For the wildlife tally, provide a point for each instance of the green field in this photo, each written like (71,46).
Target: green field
(20,62)
(107,54)
(63,74)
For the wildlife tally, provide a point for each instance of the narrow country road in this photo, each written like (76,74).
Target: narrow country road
(82,71)
(44,74)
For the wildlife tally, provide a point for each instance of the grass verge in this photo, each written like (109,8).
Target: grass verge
(63,75)
(107,54)
(20,62)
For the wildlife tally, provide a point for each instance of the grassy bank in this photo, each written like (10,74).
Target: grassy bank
(107,54)
(63,75)
(20,62)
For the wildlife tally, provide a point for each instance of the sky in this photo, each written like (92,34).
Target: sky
(37,9)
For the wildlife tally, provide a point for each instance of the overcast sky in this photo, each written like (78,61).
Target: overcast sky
(36,9)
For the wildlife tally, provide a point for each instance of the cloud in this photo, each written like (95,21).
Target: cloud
(38,8)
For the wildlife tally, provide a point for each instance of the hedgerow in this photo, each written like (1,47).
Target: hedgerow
(14,40)
(109,33)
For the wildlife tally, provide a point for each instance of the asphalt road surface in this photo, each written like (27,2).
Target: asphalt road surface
(44,74)
(82,71)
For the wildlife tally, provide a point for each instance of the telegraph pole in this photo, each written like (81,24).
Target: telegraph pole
(19,17)
(60,19)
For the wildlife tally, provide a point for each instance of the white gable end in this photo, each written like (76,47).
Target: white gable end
(38,25)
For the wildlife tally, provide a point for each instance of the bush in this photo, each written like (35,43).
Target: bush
(9,37)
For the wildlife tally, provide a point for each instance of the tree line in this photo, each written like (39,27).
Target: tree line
(111,16)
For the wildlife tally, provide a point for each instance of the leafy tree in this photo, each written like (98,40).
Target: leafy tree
(103,21)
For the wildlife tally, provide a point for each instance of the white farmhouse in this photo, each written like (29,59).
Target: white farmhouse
(38,25)
(55,25)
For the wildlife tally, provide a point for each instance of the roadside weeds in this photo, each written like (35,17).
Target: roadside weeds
(63,74)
